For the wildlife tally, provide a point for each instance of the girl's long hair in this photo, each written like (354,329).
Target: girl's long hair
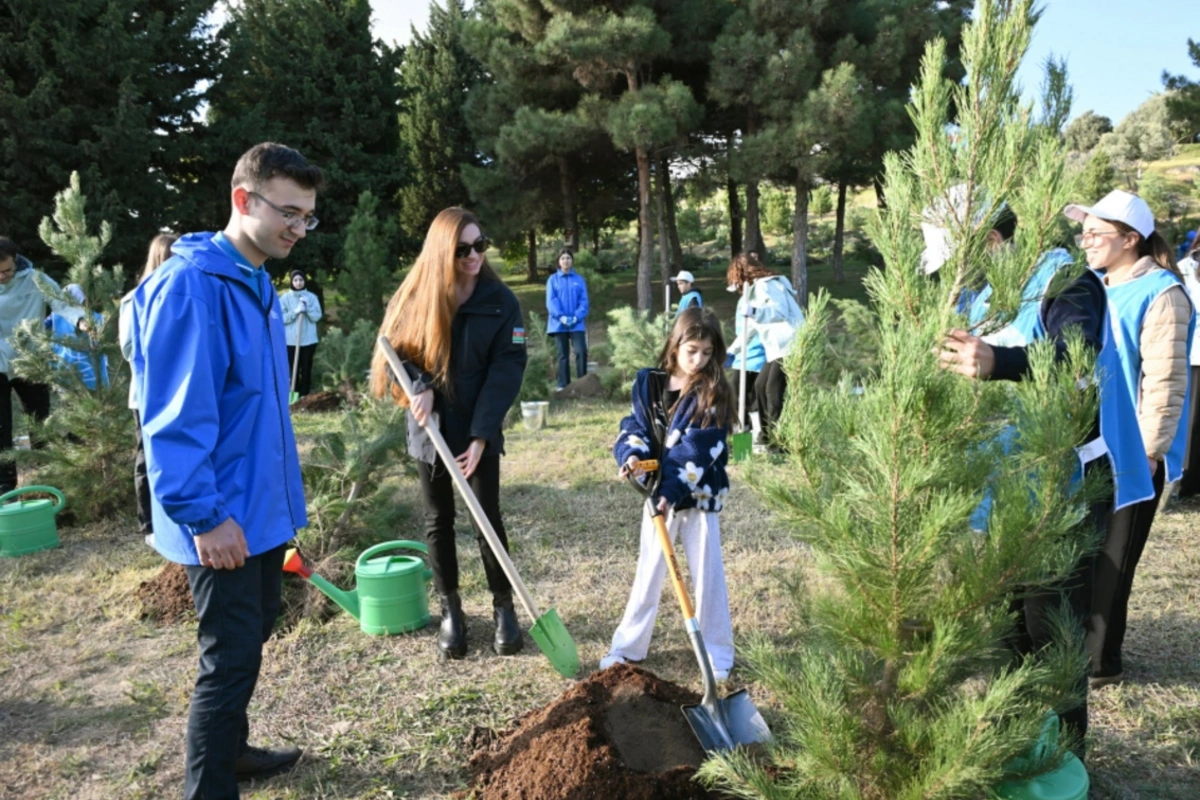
(1154,246)
(745,269)
(160,251)
(709,385)
(420,313)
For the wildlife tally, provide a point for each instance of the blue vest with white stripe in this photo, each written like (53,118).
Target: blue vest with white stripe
(1128,303)
(1022,330)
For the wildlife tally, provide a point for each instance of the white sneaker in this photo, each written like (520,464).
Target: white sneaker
(611,659)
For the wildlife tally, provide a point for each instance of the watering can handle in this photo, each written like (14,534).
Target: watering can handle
(59,506)
(400,544)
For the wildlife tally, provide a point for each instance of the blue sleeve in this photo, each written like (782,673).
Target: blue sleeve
(697,460)
(635,436)
(552,306)
(183,358)
(287,305)
(581,309)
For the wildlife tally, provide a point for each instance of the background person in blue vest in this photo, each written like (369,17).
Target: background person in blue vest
(210,364)
(1153,322)
(567,310)
(21,299)
(64,331)
(301,310)
(688,295)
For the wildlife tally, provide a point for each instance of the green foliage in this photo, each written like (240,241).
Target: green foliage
(898,667)
(1144,135)
(342,359)
(1084,132)
(1161,196)
(540,370)
(636,340)
(776,207)
(107,90)
(367,264)
(88,438)
(1097,177)
(1183,99)
(822,200)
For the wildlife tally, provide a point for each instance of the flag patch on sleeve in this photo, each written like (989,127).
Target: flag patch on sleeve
(518,336)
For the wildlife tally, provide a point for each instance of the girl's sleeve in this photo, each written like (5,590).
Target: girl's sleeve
(635,437)
(695,465)
(581,308)
(287,304)
(314,308)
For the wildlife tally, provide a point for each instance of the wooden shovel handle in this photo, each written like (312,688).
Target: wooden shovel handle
(664,541)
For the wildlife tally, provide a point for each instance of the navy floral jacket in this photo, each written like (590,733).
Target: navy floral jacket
(691,459)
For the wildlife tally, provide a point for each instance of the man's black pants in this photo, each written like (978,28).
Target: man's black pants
(35,401)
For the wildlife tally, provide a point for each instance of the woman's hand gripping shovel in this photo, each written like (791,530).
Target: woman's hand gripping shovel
(548,630)
(719,724)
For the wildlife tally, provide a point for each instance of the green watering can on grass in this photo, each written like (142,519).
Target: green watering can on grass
(390,596)
(27,526)
(1068,781)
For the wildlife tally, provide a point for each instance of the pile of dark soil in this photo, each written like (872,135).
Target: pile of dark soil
(166,597)
(319,402)
(582,388)
(618,734)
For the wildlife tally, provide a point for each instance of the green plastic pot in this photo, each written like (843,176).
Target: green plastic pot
(27,526)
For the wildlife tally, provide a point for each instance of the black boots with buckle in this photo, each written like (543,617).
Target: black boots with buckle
(452,636)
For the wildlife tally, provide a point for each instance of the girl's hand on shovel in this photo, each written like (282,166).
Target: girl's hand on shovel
(469,460)
(224,547)
(422,407)
(663,505)
(632,466)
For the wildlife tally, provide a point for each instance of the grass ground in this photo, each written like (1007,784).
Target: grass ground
(93,701)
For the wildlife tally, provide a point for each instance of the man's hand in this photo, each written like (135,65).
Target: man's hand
(224,547)
(469,460)
(422,407)
(967,355)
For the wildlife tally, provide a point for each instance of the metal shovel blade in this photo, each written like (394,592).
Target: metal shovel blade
(558,646)
(733,721)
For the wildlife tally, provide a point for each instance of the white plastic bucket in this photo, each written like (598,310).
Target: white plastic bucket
(534,414)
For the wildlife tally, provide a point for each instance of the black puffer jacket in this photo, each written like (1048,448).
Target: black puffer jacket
(487,363)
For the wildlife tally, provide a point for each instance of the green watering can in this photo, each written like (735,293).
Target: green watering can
(1068,781)
(390,596)
(27,526)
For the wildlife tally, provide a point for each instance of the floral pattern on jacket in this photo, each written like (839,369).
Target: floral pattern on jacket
(691,457)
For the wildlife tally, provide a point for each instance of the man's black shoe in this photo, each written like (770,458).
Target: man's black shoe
(263,762)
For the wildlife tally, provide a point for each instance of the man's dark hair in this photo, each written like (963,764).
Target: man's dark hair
(270,160)
(8,248)
(1006,223)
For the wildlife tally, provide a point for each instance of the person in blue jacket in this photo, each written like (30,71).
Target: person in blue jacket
(212,385)
(567,310)
(66,333)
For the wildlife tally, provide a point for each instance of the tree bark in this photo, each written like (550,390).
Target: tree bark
(570,209)
(800,239)
(735,218)
(839,233)
(672,229)
(664,248)
(753,239)
(645,234)
(531,265)
(880,200)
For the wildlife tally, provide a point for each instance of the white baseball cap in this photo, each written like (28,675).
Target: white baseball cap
(684,275)
(1117,206)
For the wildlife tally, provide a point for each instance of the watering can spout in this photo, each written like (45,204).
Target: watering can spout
(347,600)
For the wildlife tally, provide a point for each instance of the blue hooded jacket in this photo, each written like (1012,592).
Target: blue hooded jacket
(566,296)
(210,364)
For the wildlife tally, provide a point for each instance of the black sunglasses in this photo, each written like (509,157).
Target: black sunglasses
(480,246)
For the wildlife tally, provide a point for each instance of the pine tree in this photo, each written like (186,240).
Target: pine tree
(1183,99)
(89,434)
(898,684)
(368,264)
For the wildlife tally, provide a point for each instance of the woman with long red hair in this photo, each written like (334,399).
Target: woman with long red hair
(459,330)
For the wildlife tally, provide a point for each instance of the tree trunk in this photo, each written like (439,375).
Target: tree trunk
(672,230)
(570,212)
(880,200)
(735,218)
(753,240)
(645,234)
(800,239)
(531,265)
(839,233)
(664,248)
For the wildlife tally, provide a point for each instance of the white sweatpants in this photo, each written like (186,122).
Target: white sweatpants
(700,533)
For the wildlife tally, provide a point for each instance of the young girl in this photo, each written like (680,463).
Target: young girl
(681,416)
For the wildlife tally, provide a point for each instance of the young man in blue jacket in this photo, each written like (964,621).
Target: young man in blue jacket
(212,377)
(567,308)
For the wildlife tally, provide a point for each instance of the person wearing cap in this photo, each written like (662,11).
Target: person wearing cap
(65,333)
(567,310)
(689,297)
(1153,321)
(301,310)
(22,299)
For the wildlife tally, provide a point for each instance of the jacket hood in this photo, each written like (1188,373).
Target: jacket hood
(202,251)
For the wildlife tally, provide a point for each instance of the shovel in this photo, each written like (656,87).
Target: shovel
(548,630)
(292,396)
(719,724)
(742,442)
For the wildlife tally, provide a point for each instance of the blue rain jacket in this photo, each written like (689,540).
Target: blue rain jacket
(210,364)
(566,296)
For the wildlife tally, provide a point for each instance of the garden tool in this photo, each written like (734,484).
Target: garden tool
(719,724)
(390,596)
(548,630)
(27,526)
(292,396)
(742,442)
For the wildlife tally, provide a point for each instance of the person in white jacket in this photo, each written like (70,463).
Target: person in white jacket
(301,310)
(21,299)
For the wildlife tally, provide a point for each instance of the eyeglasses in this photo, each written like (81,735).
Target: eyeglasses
(290,218)
(480,246)
(1083,238)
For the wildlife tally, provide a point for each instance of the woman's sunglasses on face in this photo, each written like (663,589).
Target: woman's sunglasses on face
(480,246)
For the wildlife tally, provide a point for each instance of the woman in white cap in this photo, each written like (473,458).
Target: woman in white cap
(688,296)
(1152,321)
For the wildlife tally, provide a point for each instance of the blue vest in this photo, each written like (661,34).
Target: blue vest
(690,299)
(1128,303)
(1023,329)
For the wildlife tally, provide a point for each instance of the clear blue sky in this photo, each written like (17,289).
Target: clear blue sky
(1116,50)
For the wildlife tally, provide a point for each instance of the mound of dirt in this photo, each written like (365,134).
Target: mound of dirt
(618,734)
(166,597)
(319,402)
(587,386)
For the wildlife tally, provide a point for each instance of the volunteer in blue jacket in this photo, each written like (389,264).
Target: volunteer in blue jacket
(301,312)
(689,295)
(212,378)
(567,310)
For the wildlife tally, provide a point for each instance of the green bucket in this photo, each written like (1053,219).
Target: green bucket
(1068,781)
(27,526)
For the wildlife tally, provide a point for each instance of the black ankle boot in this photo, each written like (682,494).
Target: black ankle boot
(508,633)
(452,636)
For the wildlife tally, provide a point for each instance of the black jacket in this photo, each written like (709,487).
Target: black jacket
(487,363)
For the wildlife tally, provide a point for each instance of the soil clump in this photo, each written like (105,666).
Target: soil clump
(166,597)
(618,734)
(582,388)
(319,402)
